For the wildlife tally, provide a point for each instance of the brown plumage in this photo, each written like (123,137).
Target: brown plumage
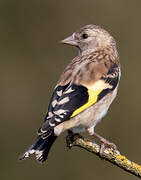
(85,69)
(84,91)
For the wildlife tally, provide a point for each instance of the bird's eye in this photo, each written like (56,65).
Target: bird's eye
(84,36)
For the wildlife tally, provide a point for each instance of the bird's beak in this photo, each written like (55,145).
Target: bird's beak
(69,40)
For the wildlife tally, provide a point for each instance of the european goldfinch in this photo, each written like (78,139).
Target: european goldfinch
(84,91)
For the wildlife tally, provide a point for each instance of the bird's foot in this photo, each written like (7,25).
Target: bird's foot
(104,143)
(70,138)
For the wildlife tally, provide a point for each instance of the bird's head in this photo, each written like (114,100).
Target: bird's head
(89,38)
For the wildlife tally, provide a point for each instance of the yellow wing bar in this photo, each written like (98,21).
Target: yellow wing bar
(93,96)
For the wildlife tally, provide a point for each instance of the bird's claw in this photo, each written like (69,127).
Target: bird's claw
(69,139)
(107,143)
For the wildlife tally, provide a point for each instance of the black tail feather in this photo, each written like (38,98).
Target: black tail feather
(40,148)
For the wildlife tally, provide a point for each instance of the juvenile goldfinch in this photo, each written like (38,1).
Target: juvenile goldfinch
(84,91)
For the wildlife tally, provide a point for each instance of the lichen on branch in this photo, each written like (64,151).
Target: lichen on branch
(108,154)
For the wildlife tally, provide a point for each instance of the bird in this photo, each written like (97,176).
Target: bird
(84,92)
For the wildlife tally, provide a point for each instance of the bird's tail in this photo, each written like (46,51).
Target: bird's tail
(40,148)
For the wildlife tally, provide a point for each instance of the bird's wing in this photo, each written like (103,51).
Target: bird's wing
(70,99)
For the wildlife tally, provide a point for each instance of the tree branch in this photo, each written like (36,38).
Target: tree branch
(108,154)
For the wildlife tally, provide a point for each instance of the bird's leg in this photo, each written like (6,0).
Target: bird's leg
(70,138)
(105,142)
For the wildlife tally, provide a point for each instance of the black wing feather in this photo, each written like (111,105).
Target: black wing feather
(112,78)
(76,98)
(55,96)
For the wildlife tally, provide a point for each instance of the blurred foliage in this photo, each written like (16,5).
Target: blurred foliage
(31,60)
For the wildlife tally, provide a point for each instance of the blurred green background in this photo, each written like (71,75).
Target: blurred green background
(31,60)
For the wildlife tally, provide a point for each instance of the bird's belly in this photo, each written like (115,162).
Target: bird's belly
(91,116)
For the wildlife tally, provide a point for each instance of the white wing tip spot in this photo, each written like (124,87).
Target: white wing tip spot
(57,119)
(51,124)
